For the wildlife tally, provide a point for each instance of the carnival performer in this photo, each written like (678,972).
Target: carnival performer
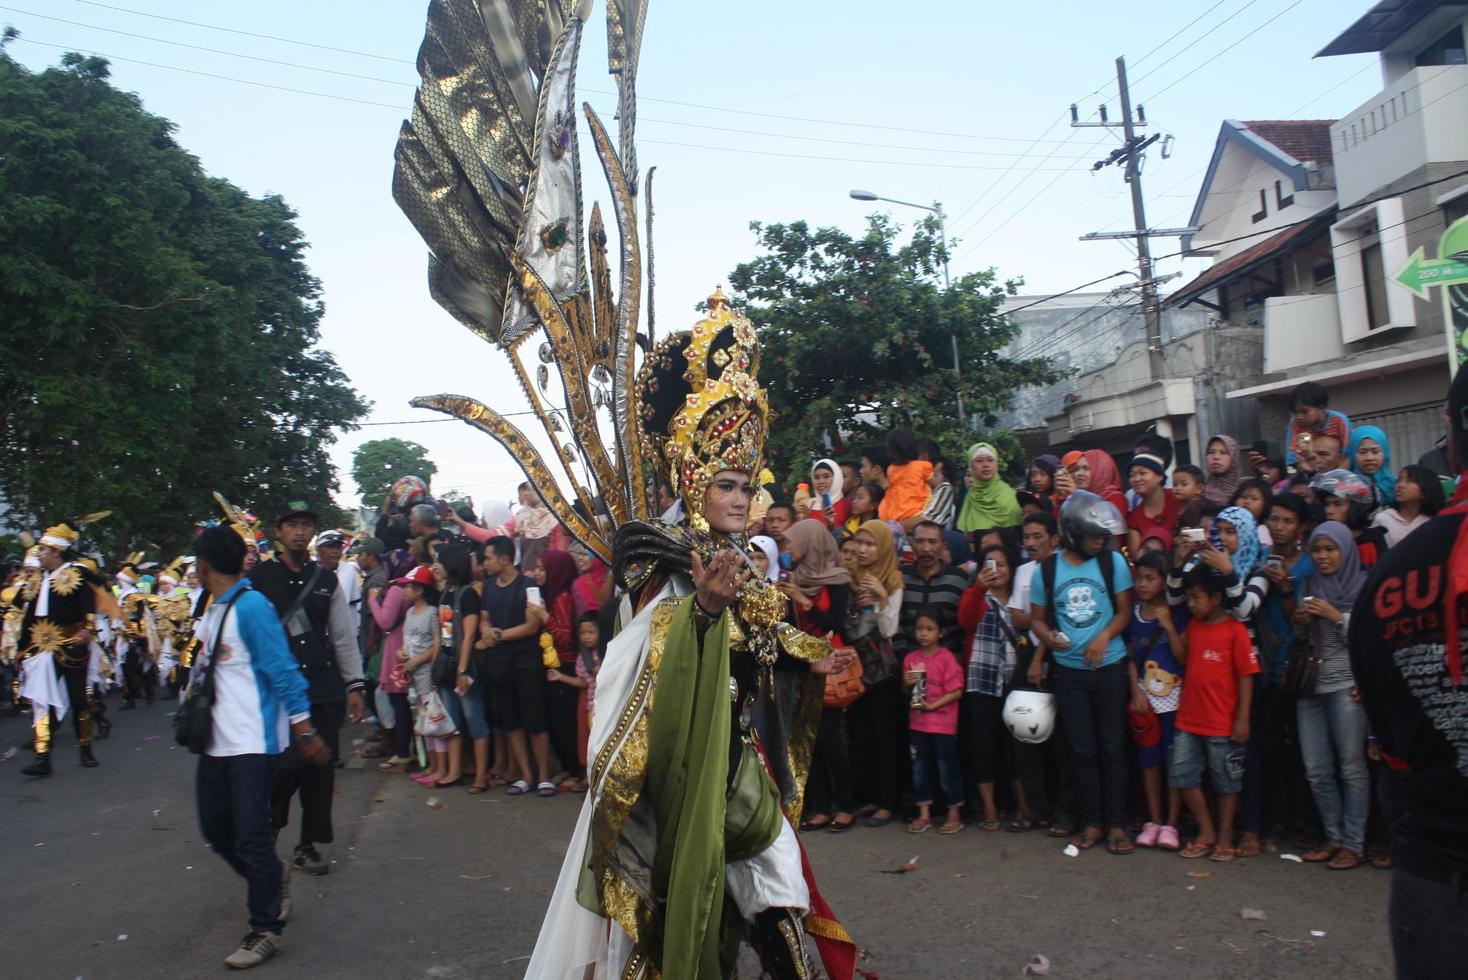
(686,839)
(131,638)
(55,637)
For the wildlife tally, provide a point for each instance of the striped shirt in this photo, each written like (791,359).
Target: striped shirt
(940,507)
(942,590)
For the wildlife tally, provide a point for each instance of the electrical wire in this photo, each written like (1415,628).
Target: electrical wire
(1200,38)
(1155,95)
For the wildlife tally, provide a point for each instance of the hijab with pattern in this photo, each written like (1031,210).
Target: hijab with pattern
(1221,487)
(1250,553)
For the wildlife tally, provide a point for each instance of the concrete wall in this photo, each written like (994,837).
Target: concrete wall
(1416,120)
(1233,200)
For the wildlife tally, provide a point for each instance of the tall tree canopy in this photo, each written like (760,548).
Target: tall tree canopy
(856,337)
(159,325)
(377,463)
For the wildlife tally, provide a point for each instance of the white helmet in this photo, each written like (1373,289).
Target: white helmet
(1030,715)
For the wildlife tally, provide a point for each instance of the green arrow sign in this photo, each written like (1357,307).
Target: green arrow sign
(1422,273)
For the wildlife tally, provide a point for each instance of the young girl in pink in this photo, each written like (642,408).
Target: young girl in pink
(934,682)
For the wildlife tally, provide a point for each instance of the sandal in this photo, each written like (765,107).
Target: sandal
(954,827)
(518,788)
(1120,845)
(918,826)
(1345,859)
(838,826)
(820,822)
(495,779)
(876,821)
(1060,830)
(580,786)
(476,789)
(1250,848)
(1323,853)
(1380,858)
(1086,841)
(1223,855)
(989,825)
(866,811)
(1195,850)
(546,789)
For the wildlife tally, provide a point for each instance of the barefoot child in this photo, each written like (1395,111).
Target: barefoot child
(1155,637)
(1213,717)
(934,682)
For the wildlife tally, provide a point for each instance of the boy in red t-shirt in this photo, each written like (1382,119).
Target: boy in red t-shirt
(1213,718)
(934,681)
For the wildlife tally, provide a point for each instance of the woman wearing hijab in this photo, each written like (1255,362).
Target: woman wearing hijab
(1371,459)
(1226,469)
(989,502)
(1331,723)
(557,574)
(587,590)
(762,546)
(1104,480)
(819,589)
(828,505)
(878,719)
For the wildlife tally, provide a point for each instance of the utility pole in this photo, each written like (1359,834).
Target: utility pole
(1130,153)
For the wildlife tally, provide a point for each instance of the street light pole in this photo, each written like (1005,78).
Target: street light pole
(937,209)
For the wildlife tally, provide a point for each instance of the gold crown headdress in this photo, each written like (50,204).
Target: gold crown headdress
(488,171)
(703,410)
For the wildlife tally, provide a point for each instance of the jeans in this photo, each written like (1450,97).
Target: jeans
(1429,926)
(402,728)
(926,749)
(233,794)
(1092,706)
(1333,734)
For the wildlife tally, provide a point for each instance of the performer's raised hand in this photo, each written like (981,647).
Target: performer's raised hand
(717,584)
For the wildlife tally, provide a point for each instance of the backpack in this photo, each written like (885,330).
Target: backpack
(1047,580)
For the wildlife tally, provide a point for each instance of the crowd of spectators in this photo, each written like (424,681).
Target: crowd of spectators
(1133,652)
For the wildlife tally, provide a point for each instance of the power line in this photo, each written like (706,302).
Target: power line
(1200,38)
(231,30)
(1073,289)
(595,91)
(1176,33)
(199,47)
(1225,51)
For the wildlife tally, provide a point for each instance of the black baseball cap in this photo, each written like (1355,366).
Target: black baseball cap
(297,508)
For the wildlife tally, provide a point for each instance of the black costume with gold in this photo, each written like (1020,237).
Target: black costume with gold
(60,610)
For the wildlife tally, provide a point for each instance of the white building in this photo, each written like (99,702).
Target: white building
(1310,221)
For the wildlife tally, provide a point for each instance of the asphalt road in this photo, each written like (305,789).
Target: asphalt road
(104,874)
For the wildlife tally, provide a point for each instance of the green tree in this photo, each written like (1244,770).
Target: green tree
(856,338)
(377,463)
(160,325)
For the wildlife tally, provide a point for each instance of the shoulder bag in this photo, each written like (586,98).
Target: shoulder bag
(193,723)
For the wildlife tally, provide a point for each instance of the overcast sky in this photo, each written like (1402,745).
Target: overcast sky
(751,111)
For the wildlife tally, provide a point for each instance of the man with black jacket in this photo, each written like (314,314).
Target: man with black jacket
(1407,642)
(323,638)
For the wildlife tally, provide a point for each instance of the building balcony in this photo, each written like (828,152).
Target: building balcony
(1302,329)
(1416,120)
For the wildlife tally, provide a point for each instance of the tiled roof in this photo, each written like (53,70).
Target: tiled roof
(1307,140)
(1282,242)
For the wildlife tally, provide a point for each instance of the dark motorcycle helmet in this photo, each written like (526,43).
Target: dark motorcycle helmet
(1084,514)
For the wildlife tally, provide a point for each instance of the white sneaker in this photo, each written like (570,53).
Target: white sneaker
(255,948)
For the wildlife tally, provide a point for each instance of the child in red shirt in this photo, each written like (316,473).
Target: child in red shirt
(934,681)
(1213,719)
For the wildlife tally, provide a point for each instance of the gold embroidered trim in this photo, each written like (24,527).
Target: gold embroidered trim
(66,580)
(826,928)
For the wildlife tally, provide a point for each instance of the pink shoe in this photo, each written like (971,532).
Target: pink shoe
(1167,838)
(1148,836)
(424,778)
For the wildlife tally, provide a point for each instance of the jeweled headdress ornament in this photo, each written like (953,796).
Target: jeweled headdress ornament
(703,410)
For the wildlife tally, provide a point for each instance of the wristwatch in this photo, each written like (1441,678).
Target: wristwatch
(306,736)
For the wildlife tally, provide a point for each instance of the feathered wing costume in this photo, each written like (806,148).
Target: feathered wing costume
(685,835)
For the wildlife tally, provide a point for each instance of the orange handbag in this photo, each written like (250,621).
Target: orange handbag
(845,687)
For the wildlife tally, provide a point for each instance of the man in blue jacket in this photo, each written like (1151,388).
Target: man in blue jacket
(260,709)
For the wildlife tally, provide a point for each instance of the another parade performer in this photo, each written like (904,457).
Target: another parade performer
(685,843)
(55,637)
